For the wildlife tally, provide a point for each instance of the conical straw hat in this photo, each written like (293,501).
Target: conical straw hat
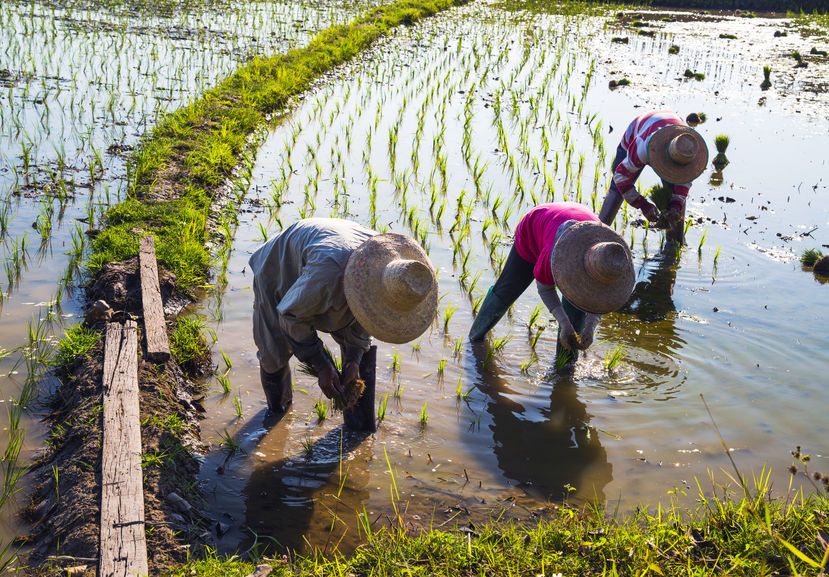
(391,288)
(592,267)
(677,153)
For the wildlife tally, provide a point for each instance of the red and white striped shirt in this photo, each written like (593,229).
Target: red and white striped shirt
(635,143)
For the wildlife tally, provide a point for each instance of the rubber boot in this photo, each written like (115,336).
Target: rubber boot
(278,390)
(491,311)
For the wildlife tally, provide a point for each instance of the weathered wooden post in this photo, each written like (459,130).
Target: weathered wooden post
(361,417)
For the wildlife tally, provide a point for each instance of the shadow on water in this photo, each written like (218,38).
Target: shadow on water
(316,495)
(543,441)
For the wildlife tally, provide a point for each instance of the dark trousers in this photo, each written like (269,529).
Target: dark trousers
(514,280)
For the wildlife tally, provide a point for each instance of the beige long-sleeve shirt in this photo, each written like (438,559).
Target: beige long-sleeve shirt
(298,289)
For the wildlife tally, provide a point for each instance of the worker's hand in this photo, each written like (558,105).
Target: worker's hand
(568,337)
(351,372)
(650,211)
(672,217)
(586,336)
(329,381)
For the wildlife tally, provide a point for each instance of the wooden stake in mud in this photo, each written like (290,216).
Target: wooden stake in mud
(360,417)
(158,347)
(123,548)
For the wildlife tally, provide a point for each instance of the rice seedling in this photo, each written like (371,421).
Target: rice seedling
(702,240)
(424,416)
(224,382)
(237,405)
(535,316)
(382,408)
(766,84)
(448,312)
(229,446)
(614,356)
(441,368)
(810,256)
(396,358)
(307,446)
(321,410)
(528,362)
(398,390)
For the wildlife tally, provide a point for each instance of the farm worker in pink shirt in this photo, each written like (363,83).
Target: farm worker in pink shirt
(562,245)
(675,151)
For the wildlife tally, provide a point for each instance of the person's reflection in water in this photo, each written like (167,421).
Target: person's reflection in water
(652,298)
(312,499)
(546,446)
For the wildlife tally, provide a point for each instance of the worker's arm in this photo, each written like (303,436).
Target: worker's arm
(354,341)
(308,297)
(624,178)
(586,336)
(549,297)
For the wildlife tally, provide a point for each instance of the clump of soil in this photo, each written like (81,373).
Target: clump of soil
(353,391)
(821,266)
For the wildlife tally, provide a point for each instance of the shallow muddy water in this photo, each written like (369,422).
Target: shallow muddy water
(448,122)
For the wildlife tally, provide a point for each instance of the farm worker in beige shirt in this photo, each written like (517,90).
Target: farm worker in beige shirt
(338,277)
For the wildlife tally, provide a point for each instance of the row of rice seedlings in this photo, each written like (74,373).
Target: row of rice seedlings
(447,110)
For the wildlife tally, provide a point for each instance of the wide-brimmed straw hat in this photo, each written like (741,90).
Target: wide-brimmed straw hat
(592,267)
(391,288)
(677,153)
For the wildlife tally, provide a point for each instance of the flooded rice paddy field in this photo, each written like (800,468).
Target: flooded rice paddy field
(80,83)
(449,132)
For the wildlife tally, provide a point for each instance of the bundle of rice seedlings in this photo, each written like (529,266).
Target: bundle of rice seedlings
(352,391)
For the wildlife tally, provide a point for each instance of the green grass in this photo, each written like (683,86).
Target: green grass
(186,341)
(727,533)
(76,342)
(810,256)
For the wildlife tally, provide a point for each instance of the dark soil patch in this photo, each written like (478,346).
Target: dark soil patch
(119,284)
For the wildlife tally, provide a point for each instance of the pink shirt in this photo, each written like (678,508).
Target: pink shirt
(535,234)
(635,143)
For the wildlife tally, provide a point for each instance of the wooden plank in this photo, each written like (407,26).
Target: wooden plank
(155,329)
(123,548)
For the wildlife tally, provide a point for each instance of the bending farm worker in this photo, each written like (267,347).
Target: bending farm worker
(562,245)
(678,155)
(341,278)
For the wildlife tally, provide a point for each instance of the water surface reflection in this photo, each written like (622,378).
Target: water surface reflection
(543,440)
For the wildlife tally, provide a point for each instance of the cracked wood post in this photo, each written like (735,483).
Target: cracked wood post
(123,546)
(155,328)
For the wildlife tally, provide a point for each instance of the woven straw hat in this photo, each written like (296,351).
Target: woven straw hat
(593,267)
(677,153)
(391,288)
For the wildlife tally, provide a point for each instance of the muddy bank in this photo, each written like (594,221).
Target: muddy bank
(65,504)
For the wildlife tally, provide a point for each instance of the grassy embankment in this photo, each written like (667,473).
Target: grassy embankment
(748,533)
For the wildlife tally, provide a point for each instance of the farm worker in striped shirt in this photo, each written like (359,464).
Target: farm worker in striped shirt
(675,151)
(334,276)
(562,245)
